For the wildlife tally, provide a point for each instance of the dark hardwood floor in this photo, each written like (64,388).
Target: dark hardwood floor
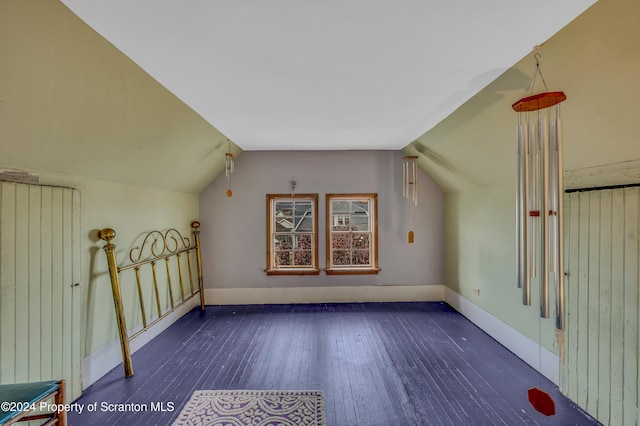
(379,364)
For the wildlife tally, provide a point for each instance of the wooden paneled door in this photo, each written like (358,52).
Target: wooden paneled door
(602,242)
(40,295)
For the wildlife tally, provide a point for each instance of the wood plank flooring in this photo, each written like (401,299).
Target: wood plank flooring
(379,364)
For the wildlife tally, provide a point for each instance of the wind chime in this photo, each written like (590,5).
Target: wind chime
(229,167)
(539,192)
(410,185)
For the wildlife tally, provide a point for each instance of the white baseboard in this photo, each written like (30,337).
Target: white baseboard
(541,359)
(100,362)
(281,295)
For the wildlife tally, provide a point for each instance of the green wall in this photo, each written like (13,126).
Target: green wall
(129,210)
(595,60)
(480,254)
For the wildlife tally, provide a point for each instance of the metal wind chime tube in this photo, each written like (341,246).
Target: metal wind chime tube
(533,201)
(410,178)
(544,214)
(539,191)
(559,225)
(522,207)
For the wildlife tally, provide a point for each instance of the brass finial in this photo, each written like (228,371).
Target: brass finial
(107,234)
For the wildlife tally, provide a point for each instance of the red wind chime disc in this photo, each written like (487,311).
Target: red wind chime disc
(539,101)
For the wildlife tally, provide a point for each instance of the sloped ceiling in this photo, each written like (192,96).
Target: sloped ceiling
(266,75)
(71,103)
(595,60)
(353,74)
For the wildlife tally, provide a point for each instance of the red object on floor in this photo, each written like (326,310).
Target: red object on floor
(542,401)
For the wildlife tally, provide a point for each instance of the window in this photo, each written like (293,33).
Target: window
(292,234)
(352,234)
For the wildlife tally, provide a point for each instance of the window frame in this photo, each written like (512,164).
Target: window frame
(373,268)
(272,267)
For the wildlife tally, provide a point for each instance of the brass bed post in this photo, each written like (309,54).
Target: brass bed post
(107,234)
(196,236)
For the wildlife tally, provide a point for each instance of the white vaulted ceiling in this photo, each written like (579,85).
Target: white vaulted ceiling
(350,74)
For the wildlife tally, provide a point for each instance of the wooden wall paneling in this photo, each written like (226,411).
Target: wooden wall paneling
(582,307)
(57,298)
(630,391)
(65,285)
(21,318)
(33,280)
(77,341)
(604,306)
(636,275)
(46,289)
(7,282)
(616,376)
(571,282)
(40,311)
(593,307)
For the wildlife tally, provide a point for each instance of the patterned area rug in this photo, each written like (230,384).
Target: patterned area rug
(253,407)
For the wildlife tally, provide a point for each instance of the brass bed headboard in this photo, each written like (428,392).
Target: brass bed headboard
(156,246)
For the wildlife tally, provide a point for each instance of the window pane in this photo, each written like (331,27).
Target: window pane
(304,224)
(284,208)
(303,242)
(284,225)
(360,241)
(340,241)
(283,242)
(341,257)
(284,216)
(302,207)
(340,222)
(341,207)
(302,221)
(302,257)
(360,216)
(361,257)
(359,223)
(284,258)
(360,208)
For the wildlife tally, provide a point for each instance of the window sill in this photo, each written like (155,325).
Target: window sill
(293,271)
(352,271)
